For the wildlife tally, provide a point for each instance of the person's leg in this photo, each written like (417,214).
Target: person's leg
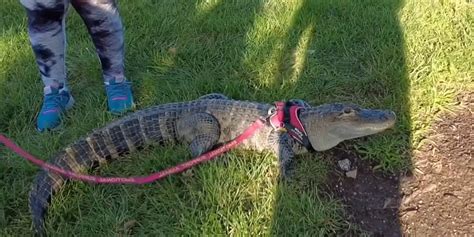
(46,28)
(105,27)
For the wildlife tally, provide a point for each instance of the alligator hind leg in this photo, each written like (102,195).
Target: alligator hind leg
(211,96)
(200,130)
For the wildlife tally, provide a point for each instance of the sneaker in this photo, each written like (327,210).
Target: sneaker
(119,96)
(55,103)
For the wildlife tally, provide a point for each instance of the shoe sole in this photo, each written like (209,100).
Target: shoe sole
(132,108)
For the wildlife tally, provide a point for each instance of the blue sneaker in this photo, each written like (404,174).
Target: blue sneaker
(119,96)
(55,103)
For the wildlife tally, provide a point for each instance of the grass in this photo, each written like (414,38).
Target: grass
(413,57)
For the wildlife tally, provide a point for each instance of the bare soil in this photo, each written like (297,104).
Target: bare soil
(371,199)
(436,199)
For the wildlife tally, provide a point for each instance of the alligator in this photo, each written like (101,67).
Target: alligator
(203,124)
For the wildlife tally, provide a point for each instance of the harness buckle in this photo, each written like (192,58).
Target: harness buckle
(283,116)
(276,116)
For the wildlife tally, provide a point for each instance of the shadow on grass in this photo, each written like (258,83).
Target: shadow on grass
(328,51)
(353,51)
(195,48)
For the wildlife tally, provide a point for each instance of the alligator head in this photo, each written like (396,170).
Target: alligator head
(329,124)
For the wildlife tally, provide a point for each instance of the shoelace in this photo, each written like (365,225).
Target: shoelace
(52,103)
(116,91)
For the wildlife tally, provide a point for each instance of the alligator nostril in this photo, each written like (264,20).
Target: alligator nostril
(388,115)
(392,115)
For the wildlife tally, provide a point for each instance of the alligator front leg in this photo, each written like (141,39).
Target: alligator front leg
(200,130)
(280,144)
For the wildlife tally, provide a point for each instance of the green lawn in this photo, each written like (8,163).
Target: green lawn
(413,57)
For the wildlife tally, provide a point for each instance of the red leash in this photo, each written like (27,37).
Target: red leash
(258,124)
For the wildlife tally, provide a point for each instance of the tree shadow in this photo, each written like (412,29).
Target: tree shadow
(356,51)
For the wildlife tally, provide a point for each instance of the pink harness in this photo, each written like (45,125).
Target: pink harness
(286,118)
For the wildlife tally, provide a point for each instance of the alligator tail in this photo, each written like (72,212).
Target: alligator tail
(99,147)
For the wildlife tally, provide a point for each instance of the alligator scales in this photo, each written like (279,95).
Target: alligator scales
(204,123)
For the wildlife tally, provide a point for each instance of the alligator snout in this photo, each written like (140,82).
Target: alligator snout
(378,119)
(389,116)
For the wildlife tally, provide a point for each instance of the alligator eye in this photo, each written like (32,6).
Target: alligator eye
(348,110)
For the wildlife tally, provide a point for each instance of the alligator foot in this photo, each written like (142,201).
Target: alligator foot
(200,130)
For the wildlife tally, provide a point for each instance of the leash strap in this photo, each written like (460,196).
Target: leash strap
(250,131)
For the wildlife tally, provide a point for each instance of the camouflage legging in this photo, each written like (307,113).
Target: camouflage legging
(46,27)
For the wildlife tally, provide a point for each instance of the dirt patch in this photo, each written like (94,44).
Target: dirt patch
(371,199)
(437,200)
